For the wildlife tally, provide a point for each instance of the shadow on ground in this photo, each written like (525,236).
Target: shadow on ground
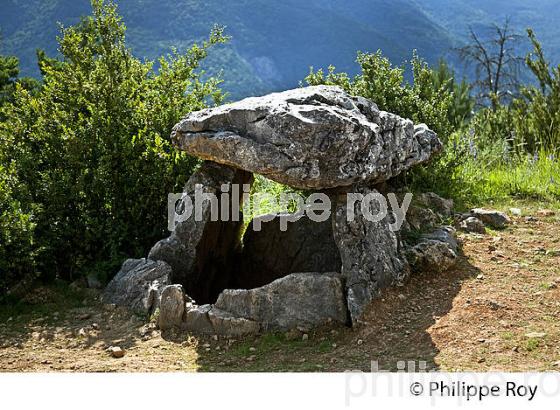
(72,330)
(394,333)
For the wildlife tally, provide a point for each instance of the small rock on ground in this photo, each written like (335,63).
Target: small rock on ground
(116,352)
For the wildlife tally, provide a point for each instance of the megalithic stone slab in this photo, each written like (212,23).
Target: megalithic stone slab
(300,299)
(372,254)
(316,137)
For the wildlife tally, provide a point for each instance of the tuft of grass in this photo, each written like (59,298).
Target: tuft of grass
(532,344)
(507,335)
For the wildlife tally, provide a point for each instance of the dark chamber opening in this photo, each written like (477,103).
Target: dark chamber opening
(228,260)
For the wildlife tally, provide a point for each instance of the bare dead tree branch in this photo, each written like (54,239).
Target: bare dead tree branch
(496,64)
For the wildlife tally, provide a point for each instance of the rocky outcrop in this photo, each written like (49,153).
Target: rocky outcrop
(472,224)
(421,219)
(436,251)
(313,137)
(494,219)
(138,285)
(436,203)
(371,253)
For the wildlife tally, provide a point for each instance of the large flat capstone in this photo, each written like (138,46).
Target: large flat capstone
(309,138)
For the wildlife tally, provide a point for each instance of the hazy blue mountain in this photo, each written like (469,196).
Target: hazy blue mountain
(458,15)
(274,42)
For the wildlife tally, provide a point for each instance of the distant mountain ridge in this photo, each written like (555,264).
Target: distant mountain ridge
(273,43)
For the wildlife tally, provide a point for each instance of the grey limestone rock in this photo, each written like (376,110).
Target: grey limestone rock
(310,138)
(492,218)
(371,253)
(171,307)
(138,284)
(200,250)
(209,320)
(472,224)
(299,299)
(436,251)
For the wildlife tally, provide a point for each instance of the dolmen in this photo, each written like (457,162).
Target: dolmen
(216,275)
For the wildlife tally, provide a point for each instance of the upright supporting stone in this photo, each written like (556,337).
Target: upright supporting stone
(200,249)
(371,253)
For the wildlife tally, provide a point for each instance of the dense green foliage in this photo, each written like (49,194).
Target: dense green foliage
(9,77)
(86,161)
(86,165)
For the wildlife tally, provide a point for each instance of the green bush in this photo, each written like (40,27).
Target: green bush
(423,100)
(89,154)
(537,112)
(16,233)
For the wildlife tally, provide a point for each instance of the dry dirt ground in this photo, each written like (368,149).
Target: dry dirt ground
(497,310)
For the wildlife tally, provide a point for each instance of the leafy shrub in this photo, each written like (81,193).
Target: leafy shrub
(16,233)
(90,151)
(422,101)
(537,112)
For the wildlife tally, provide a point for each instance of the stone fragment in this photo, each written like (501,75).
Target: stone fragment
(137,285)
(436,203)
(472,224)
(436,251)
(515,211)
(421,218)
(197,320)
(116,352)
(209,320)
(171,307)
(535,335)
(224,323)
(492,218)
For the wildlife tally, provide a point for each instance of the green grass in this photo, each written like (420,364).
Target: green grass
(532,344)
(525,179)
(265,198)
